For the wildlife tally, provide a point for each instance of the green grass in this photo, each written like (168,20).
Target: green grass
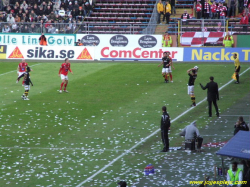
(110,106)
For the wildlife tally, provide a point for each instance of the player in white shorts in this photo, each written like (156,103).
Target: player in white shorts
(167,63)
(192,76)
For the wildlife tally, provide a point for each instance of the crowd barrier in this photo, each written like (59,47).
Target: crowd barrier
(107,53)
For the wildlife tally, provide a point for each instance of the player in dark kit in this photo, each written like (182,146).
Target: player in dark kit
(167,63)
(27,83)
(192,76)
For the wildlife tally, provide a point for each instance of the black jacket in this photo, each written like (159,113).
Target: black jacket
(165,121)
(212,91)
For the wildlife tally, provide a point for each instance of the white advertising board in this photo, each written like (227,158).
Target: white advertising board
(137,53)
(50,52)
(33,39)
(119,40)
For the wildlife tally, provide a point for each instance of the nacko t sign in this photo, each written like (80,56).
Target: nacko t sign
(138,53)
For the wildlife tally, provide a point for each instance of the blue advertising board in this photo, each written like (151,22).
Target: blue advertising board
(209,54)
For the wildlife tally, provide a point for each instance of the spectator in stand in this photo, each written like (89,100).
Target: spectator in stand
(52,16)
(70,7)
(16,9)
(6,3)
(68,30)
(167,12)
(88,9)
(31,19)
(240,6)
(173,7)
(36,9)
(24,29)
(228,40)
(51,29)
(24,5)
(74,27)
(14,28)
(81,14)
(5,29)
(74,13)
(32,28)
(231,8)
(48,11)
(44,6)
(40,11)
(17,19)
(61,12)
(76,6)
(222,10)
(25,18)
(41,29)
(10,19)
(244,21)
(159,11)
(32,13)
(185,16)
(206,9)
(56,7)
(214,10)
(240,125)
(198,10)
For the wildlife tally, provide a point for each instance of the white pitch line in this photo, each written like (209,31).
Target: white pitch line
(149,136)
(16,70)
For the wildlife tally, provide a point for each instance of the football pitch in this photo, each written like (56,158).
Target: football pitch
(107,126)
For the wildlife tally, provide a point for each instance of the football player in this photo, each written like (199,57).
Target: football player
(63,72)
(192,76)
(27,82)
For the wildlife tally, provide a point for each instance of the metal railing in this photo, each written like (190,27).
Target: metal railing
(239,29)
(150,29)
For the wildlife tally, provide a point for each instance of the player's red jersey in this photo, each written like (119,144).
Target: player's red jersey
(22,66)
(65,68)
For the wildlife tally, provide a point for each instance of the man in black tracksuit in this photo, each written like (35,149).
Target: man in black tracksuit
(212,95)
(165,126)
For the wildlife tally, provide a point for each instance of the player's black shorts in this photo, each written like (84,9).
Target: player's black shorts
(237,70)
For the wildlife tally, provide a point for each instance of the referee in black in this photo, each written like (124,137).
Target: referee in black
(165,126)
(212,95)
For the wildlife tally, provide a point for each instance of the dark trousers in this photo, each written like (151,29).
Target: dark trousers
(245,28)
(159,17)
(199,140)
(165,140)
(199,15)
(167,15)
(231,10)
(210,107)
(206,15)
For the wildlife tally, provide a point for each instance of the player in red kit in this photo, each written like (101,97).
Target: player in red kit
(63,72)
(21,68)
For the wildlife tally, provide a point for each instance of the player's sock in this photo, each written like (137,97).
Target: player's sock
(26,93)
(171,77)
(65,85)
(237,78)
(166,77)
(61,86)
(193,99)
